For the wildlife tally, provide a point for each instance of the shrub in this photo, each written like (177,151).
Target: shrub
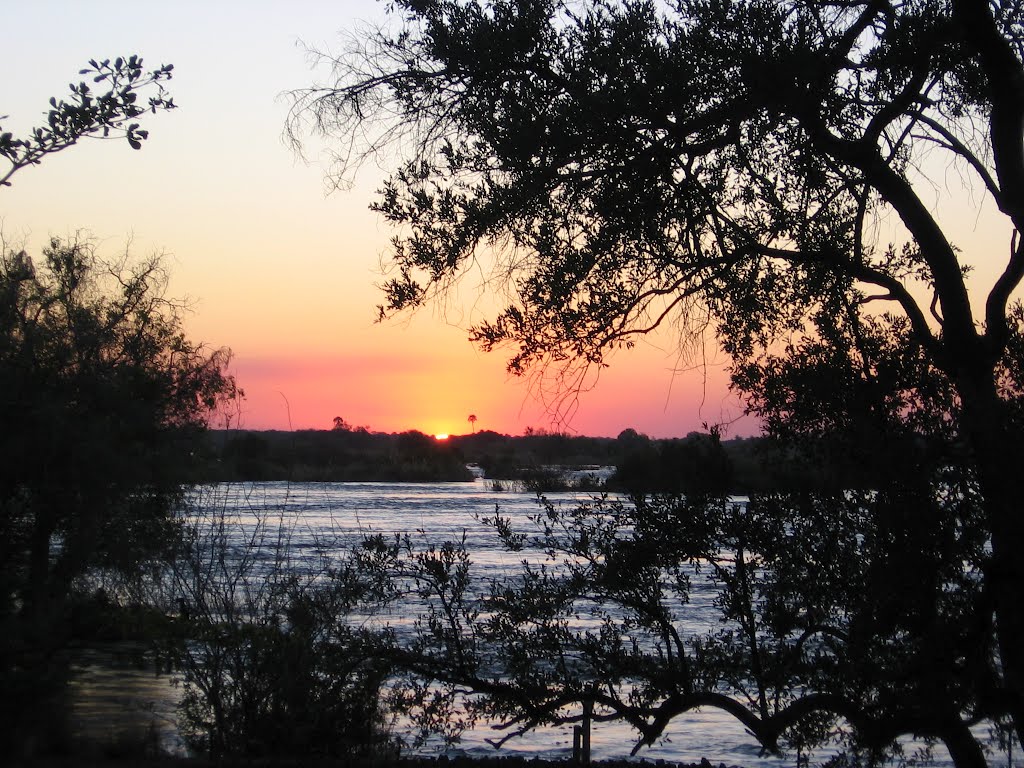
(270,665)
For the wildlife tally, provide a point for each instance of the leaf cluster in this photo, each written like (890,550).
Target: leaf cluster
(106,113)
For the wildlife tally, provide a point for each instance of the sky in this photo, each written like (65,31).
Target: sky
(275,265)
(282,269)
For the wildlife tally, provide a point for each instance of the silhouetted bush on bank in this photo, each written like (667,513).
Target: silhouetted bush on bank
(269,663)
(498,761)
(104,402)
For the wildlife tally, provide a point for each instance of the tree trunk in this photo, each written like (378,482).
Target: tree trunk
(999,458)
(36,588)
(963,748)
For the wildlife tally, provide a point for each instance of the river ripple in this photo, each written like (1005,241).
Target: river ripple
(316,516)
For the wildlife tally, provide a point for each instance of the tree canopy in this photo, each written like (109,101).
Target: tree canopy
(101,392)
(99,382)
(624,163)
(771,168)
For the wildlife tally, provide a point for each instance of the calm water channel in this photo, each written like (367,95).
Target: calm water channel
(336,514)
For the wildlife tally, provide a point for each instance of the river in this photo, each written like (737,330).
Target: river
(322,515)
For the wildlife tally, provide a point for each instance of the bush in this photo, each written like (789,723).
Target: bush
(270,666)
(103,401)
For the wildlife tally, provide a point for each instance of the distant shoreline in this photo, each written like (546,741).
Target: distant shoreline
(442,761)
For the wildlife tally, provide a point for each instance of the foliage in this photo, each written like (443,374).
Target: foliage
(93,363)
(899,420)
(270,663)
(693,465)
(507,457)
(741,164)
(103,397)
(86,114)
(843,613)
(365,456)
(641,162)
(813,617)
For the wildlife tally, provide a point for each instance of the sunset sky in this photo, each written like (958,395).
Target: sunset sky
(278,268)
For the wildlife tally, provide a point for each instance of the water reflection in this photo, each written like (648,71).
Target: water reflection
(121,706)
(117,699)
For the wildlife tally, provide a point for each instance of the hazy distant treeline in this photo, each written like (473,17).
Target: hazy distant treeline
(333,455)
(643,464)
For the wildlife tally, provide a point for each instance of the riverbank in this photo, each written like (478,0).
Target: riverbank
(508,761)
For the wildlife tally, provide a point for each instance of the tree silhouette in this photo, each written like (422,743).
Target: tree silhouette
(690,163)
(801,627)
(103,398)
(472,421)
(87,113)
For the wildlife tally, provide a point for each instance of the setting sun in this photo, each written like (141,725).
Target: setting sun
(441,436)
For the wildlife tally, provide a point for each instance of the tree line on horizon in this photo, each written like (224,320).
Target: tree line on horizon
(642,464)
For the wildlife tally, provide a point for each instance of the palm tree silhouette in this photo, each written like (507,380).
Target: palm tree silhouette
(472,421)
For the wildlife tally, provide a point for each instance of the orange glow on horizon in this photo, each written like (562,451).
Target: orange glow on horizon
(395,389)
(441,436)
